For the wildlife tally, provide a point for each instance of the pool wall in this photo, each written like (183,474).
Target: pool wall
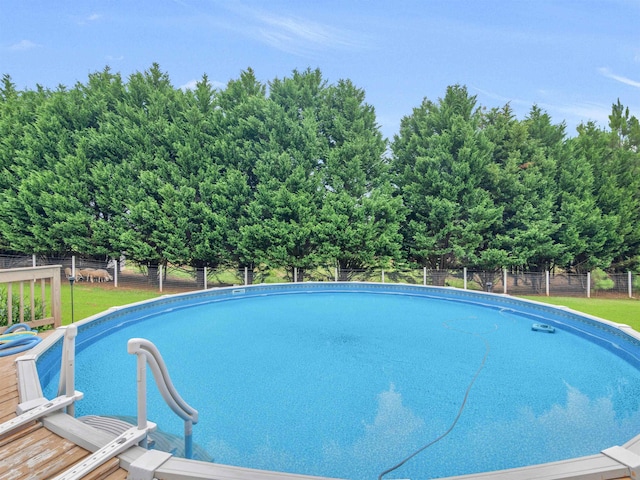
(43,363)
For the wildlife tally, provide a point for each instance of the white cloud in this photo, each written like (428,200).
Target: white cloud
(191,85)
(23,45)
(289,29)
(89,18)
(294,34)
(619,78)
(560,105)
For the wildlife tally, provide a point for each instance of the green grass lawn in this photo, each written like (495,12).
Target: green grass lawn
(90,299)
(625,311)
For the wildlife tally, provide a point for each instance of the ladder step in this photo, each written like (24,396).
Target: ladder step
(131,437)
(48,406)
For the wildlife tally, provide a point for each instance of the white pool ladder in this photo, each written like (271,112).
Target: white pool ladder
(148,353)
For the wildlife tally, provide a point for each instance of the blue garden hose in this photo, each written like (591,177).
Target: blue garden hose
(18,338)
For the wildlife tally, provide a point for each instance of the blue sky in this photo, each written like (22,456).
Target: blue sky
(573,58)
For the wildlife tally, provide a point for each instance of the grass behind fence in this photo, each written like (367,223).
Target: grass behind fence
(620,310)
(89,299)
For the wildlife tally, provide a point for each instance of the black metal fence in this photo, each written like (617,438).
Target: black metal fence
(109,273)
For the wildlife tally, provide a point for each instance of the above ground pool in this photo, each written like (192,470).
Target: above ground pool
(350,380)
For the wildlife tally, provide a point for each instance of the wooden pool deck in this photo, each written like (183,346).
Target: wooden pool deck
(33,452)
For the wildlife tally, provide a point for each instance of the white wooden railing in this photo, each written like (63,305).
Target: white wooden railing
(13,279)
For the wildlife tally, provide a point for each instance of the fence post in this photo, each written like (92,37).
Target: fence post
(73,266)
(335,273)
(205,277)
(630,283)
(160,276)
(546,281)
(295,274)
(588,284)
(504,281)
(33,260)
(383,275)
(115,272)
(246,275)
(464,277)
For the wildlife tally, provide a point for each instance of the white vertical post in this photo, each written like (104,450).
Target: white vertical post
(424,275)
(116,264)
(141,379)
(295,274)
(464,277)
(504,281)
(630,283)
(335,273)
(160,276)
(383,275)
(205,278)
(66,384)
(33,259)
(70,355)
(588,284)
(246,275)
(73,266)
(546,281)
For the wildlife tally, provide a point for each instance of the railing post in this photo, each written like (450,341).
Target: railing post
(464,275)
(43,296)
(335,273)
(32,299)
(424,276)
(9,304)
(246,275)
(141,382)
(383,275)
(588,284)
(115,272)
(21,304)
(33,260)
(66,386)
(205,277)
(630,283)
(73,266)
(56,307)
(160,276)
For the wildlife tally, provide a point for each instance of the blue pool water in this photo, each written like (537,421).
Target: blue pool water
(348,384)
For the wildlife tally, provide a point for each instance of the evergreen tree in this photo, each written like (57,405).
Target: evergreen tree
(441,161)
(360,218)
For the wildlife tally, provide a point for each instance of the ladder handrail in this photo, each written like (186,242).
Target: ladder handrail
(148,353)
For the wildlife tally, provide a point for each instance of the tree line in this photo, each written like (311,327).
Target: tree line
(296,173)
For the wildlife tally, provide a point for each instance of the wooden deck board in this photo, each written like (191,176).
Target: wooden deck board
(33,452)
